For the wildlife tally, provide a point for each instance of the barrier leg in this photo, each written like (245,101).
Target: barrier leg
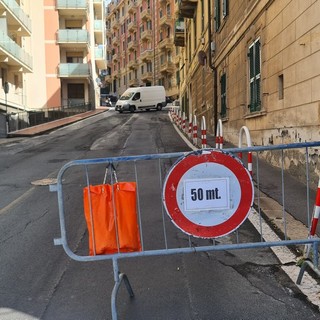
(118,278)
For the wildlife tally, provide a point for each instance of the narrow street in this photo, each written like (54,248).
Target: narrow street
(39,281)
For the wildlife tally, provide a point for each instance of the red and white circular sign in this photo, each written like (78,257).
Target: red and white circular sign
(208,193)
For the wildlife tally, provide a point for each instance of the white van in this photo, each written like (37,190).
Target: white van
(142,98)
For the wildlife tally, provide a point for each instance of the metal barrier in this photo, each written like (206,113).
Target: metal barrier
(149,172)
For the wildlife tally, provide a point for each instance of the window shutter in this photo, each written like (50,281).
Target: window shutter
(225,8)
(217,14)
(223,82)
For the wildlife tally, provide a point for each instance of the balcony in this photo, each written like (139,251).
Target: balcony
(166,19)
(165,44)
(147,76)
(74,70)
(16,18)
(98,4)
(108,32)
(179,29)
(13,55)
(108,78)
(99,28)
(100,57)
(73,38)
(115,41)
(116,57)
(133,45)
(145,15)
(115,24)
(146,55)
(133,64)
(132,6)
(132,26)
(146,35)
(75,8)
(134,82)
(187,8)
(176,59)
(167,67)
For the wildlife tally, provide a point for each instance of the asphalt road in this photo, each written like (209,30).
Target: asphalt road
(38,280)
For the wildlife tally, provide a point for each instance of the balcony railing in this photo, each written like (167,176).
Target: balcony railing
(146,35)
(98,25)
(71,4)
(166,43)
(187,8)
(133,45)
(179,33)
(73,36)
(146,55)
(78,70)
(132,26)
(146,14)
(133,64)
(15,10)
(10,48)
(132,6)
(134,82)
(166,20)
(147,76)
(167,67)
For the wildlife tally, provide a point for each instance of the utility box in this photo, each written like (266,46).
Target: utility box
(3,126)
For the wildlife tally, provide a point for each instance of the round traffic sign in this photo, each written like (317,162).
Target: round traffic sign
(208,193)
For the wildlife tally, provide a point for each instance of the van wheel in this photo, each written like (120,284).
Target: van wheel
(131,109)
(159,107)
(120,111)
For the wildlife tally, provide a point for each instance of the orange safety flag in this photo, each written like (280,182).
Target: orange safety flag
(111,217)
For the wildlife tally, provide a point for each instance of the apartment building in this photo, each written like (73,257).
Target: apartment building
(254,64)
(140,45)
(52,53)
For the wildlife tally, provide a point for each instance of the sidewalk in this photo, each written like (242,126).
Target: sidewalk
(48,126)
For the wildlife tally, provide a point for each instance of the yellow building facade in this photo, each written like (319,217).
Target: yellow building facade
(254,64)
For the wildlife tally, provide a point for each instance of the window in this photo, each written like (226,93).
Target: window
(216,15)
(225,8)
(217,12)
(75,90)
(281,87)
(168,9)
(223,91)
(202,16)
(255,76)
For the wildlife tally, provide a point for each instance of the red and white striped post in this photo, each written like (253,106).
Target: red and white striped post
(190,126)
(219,135)
(314,222)
(203,133)
(183,122)
(195,131)
(316,212)
(245,130)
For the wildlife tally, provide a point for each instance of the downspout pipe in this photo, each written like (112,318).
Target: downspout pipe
(214,71)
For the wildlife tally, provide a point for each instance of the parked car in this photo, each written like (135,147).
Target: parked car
(142,98)
(108,100)
(169,100)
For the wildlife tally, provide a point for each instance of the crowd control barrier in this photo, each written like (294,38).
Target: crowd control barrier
(208,182)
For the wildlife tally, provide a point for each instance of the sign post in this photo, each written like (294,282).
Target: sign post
(208,194)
